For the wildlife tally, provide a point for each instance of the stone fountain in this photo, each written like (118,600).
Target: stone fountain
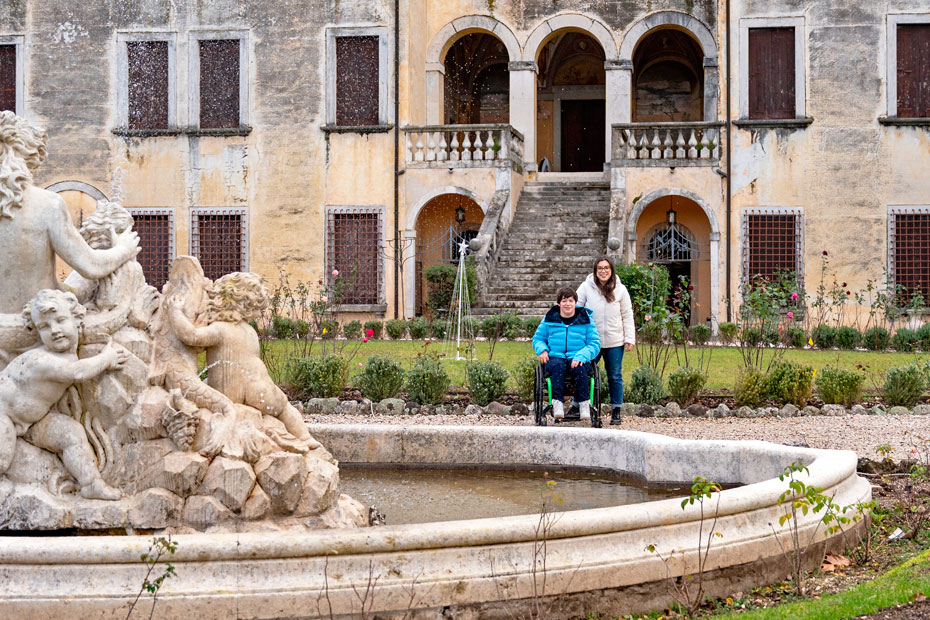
(105,424)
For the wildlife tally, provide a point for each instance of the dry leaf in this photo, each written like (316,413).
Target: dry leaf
(832,561)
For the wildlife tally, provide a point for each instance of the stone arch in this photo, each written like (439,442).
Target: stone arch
(572,21)
(448,34)
(77,186)
(676,19)
(648,199)
(414,211)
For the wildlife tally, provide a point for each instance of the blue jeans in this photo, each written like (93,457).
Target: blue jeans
(557,367)
(613,364)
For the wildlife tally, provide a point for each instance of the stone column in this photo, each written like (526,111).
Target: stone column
(711,88)
(523,107)
(435,92)
(618,94)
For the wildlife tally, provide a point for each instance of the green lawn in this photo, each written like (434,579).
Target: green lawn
(724,360)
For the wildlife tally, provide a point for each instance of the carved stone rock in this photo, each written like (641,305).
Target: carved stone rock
(230,482)
(155,508)
(181,472)
(282,476)
(319,488)
(257,506)
(202,511)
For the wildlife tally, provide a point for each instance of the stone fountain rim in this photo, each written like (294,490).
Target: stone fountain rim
(827,468)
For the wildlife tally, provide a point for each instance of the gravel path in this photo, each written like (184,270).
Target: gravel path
(860,433)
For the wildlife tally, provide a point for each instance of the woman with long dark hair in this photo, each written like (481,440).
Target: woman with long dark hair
(609,302)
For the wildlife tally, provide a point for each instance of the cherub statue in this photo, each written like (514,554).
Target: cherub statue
(236,367)
(36,380)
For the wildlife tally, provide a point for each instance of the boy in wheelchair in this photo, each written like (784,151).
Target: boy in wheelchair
(566,341)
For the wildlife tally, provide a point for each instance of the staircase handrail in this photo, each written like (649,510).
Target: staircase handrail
(490,237)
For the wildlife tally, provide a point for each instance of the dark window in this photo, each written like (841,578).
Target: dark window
(218,242)
(771,73)
(357,77)
(8,77)
(155,236)
(914,70)
(911,255)
(148,84)
(219,83)
(355,240)
(771,245)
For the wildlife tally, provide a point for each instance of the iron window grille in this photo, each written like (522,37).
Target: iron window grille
(157,242)
(773,243)
(354,240)
(220,240)
(909,252)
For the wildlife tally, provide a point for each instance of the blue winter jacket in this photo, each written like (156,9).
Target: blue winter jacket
(576,341)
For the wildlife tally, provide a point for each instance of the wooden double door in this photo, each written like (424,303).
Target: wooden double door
(582,135)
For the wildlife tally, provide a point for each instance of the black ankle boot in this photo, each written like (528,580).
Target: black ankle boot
(615,416)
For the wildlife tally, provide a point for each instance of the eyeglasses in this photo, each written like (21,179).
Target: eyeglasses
(603,268)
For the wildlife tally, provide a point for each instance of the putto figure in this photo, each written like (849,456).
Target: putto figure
(36,380)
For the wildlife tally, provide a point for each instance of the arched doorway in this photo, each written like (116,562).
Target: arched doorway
(477,83)
(441,225)
(674,231)
(570,116)
(668,78)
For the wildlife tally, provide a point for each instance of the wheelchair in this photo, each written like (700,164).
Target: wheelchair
(542,403)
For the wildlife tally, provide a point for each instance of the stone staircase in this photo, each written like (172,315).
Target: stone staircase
(559,227)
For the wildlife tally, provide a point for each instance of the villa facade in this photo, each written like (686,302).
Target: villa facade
(735,138)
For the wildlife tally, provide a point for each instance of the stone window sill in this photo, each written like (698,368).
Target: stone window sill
(898,121)
(181,131)
(357,128)
(378,309)
(783,123)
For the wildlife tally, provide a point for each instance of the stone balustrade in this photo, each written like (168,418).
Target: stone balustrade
(666,144)
(449,146)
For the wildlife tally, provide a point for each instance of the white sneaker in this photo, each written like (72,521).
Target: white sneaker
(558,409)
(584,408)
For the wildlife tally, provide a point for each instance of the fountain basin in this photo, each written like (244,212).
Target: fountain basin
(481,568)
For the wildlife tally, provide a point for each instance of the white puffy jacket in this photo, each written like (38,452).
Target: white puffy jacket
(614,320)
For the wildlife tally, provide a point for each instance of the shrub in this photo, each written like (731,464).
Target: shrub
(649,286)
(904,339)
(320,377)
(512,326)
(301,328)
(282,327)
(487,381)
(923,337)
(441,286)
(396,328)
(840,387)
(903,386)
(789,382)
(751,387)
(427,381)
(876,339)
(381,378)
(374,326)
(418,328)
(824,336)
(352,330)
(498,326)
(752,336)
(771,335)
(848,338)
(438,328)
(727,332)
(795,337)
(530,325)
(645,387)
(329,329)
(699,334)
(684,384)
(525,376)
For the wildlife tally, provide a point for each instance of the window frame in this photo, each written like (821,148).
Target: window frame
(194,39)
(19,42)
(193,244)
(797,212)
(891,56)
(385,72)
(800,65)
(122,78)
(894,210)
(329,259)
(172,225)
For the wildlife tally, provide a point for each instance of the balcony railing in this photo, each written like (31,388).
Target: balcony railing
(666,144)
(463,146)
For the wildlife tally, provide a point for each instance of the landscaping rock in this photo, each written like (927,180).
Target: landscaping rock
(154,509)
(810,410)
(744,412)
(521,409)
(921,410)
(695,410)
(365,407)
(859,410)
(201,511)
(877,410)
(390,406)
(230,482)
(411,407)
(833,410)
(645,411)
(721,411)
(899,410)
(347,407)
(422,410)
(496,408)
(628,409)
(473,410)
(788,411)
(322,405)
(281,475)
(673,409)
